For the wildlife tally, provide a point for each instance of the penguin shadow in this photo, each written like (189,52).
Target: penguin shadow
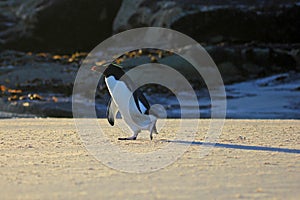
(236,146)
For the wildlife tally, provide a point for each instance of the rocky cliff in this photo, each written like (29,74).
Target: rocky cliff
(56,25)
(75,24)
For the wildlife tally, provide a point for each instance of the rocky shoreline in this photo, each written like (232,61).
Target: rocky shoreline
(43,42)
(40,84)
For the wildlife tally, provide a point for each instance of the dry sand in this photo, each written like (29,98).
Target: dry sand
(254,159)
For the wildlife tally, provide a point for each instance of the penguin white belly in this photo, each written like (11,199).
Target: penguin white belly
(123,98)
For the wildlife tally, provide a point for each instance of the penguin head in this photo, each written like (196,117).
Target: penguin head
(111,69)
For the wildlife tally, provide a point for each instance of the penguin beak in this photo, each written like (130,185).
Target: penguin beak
(94,68)
(97,69)
(101,66)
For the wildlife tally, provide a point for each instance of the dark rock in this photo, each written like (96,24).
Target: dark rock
(253,61)
(75,25)
(36,108)
(64,25)
(270,24)
(216,21)
(297,89)
(230,73)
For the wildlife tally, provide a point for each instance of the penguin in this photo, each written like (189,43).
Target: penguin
(132,105)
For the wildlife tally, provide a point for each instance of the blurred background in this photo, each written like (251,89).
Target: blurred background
(255,44)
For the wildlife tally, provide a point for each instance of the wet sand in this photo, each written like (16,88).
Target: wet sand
(253,159)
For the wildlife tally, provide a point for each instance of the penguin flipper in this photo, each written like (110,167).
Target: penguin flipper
(139,97)
(111,111)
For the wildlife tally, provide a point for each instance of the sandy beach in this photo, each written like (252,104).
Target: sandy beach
(253,159)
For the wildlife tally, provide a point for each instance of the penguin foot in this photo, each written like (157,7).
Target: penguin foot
(128,138)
